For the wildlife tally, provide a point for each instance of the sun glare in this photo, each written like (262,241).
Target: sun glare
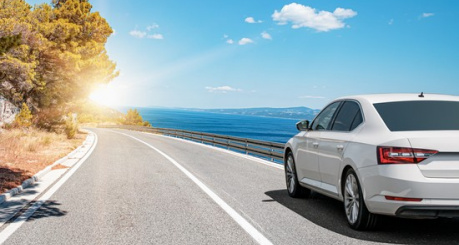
(104,95)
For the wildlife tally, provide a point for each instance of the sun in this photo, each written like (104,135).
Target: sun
(104,95)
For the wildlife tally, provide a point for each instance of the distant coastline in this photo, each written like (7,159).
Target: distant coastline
(296,113)
(222,113)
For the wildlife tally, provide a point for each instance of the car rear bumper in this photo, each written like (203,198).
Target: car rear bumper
(440,196)
(428,212)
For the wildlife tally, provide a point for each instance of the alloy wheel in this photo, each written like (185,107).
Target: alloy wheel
(351,199)
(290,175)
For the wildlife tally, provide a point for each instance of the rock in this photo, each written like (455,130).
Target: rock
(8,111)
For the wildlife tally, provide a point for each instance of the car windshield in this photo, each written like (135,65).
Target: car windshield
(419,115)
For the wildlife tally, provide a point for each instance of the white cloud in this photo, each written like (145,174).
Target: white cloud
(245,41)
(146,34)
(427,15)
(156,36)
(266,35)
(222,89)
(305,16)
(251,20)
(152,26)
(228,40)
(311,97)
(343,13)
(137,34)
(391,21)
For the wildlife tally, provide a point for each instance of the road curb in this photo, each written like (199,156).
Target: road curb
(78,153)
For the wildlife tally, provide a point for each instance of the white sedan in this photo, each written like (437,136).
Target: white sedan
(390,154)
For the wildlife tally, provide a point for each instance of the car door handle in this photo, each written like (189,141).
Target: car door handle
(315,144)
(340,147)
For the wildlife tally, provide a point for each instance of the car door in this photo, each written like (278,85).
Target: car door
(333,143)
(307,160)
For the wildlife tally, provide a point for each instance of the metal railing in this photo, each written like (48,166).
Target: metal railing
(265,149)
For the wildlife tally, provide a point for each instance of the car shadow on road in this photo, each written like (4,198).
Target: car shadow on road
(329,213)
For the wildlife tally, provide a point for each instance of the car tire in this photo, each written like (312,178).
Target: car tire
(357,214)
(294,188)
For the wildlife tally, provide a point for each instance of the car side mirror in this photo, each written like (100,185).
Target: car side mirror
(302,125)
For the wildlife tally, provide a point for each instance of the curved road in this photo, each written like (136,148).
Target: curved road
(128,193)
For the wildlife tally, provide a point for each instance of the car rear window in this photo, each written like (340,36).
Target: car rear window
(419,115)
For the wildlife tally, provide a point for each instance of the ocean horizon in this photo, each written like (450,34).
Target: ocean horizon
(254,127)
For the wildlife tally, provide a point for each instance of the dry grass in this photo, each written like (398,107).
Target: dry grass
(24,152)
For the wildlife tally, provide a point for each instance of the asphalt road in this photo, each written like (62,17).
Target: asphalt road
(128,193)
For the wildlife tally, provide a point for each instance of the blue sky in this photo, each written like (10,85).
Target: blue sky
(258,53)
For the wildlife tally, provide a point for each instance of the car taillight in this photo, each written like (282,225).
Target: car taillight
(401,155)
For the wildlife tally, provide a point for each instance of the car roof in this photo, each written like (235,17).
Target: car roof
(381,98)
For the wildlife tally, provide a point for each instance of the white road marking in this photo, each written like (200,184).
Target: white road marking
(19,221)
(260,238)
(267,163)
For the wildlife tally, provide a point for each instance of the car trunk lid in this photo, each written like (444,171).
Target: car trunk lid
(444,164)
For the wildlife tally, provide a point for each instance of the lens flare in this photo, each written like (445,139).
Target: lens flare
(104,95)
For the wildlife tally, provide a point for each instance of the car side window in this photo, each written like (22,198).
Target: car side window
(325,117)
(357,120)
(348,117)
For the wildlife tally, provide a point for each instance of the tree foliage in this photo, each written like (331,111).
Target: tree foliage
(51,55)
(8,42)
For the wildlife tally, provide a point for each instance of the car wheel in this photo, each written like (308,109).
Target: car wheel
(357,214)
(294,189)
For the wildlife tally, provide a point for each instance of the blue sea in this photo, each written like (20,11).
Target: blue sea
(260,128)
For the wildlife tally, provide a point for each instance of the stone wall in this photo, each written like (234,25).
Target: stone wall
(7,111)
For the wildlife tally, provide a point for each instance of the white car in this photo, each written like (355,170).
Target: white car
(390,154)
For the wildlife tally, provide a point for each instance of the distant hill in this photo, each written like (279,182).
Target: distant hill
(291,112)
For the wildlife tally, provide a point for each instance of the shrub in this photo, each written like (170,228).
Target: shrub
(46,140)
(71,126)
(24,117)
(133,117)
(50,119)
(146,124)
